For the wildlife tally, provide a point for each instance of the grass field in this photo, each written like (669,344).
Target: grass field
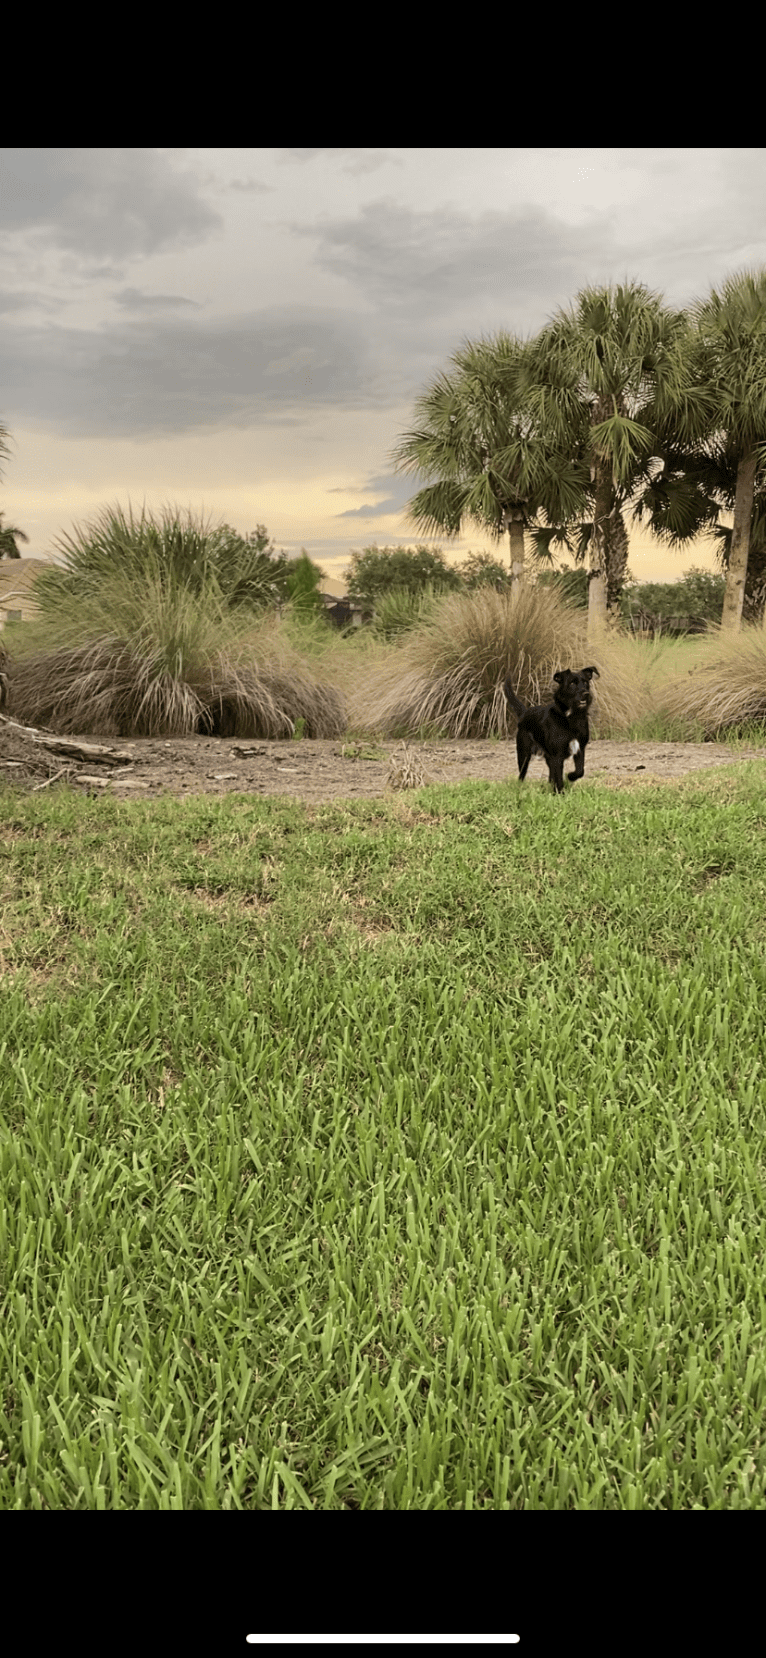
(407,1154)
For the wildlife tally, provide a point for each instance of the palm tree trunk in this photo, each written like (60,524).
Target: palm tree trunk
(616,564)
(736,574)
(609,542)
(598,556)
(513,521)
(758,578)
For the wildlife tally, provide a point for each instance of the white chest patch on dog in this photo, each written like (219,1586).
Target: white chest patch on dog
(574,746)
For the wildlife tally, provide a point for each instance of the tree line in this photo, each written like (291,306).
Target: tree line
(620,401)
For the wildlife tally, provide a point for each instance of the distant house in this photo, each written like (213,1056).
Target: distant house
(17,579)
(343,612)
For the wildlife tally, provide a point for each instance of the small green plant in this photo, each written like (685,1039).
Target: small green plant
(362,751)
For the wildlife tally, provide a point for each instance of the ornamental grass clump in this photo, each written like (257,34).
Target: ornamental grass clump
(127,646)
(725,692)
(447,677)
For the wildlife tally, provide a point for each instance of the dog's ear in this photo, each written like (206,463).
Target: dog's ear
(560,675)
(592,671)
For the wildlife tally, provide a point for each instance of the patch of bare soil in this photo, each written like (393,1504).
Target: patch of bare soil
(314,770)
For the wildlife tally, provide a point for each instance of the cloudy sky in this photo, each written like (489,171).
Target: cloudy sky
(244,332)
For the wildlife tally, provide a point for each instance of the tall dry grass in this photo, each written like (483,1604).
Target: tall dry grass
(126,645)
(136,651)
(724,690)
(447,676)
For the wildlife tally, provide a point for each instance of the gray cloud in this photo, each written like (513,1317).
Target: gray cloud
(394,492)
(132,299)
(419,283)
(113,204)
(160,375)
(149,370)
(444,259)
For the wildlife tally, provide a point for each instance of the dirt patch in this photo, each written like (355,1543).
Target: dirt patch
(329,768)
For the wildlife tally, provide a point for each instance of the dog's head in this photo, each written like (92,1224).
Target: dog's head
(575,687)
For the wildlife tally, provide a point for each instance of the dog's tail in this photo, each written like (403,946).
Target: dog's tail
(511,697)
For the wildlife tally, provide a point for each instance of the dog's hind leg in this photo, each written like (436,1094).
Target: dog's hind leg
(524,749)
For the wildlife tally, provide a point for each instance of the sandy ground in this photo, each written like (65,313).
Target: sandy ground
(334,769)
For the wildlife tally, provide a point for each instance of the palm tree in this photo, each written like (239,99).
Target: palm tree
(8,537)
(8,548)
(493,465)
(685,492)
(730,347)
(4,449)
(616,355)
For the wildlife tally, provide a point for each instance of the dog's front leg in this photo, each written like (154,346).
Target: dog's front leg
(577,751)
(556,773)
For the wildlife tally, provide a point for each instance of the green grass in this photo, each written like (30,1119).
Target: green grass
(401,1154)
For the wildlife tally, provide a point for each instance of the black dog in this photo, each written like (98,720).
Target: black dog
(555,729)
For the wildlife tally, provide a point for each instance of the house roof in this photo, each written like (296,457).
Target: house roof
(339,598)
(17,575)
